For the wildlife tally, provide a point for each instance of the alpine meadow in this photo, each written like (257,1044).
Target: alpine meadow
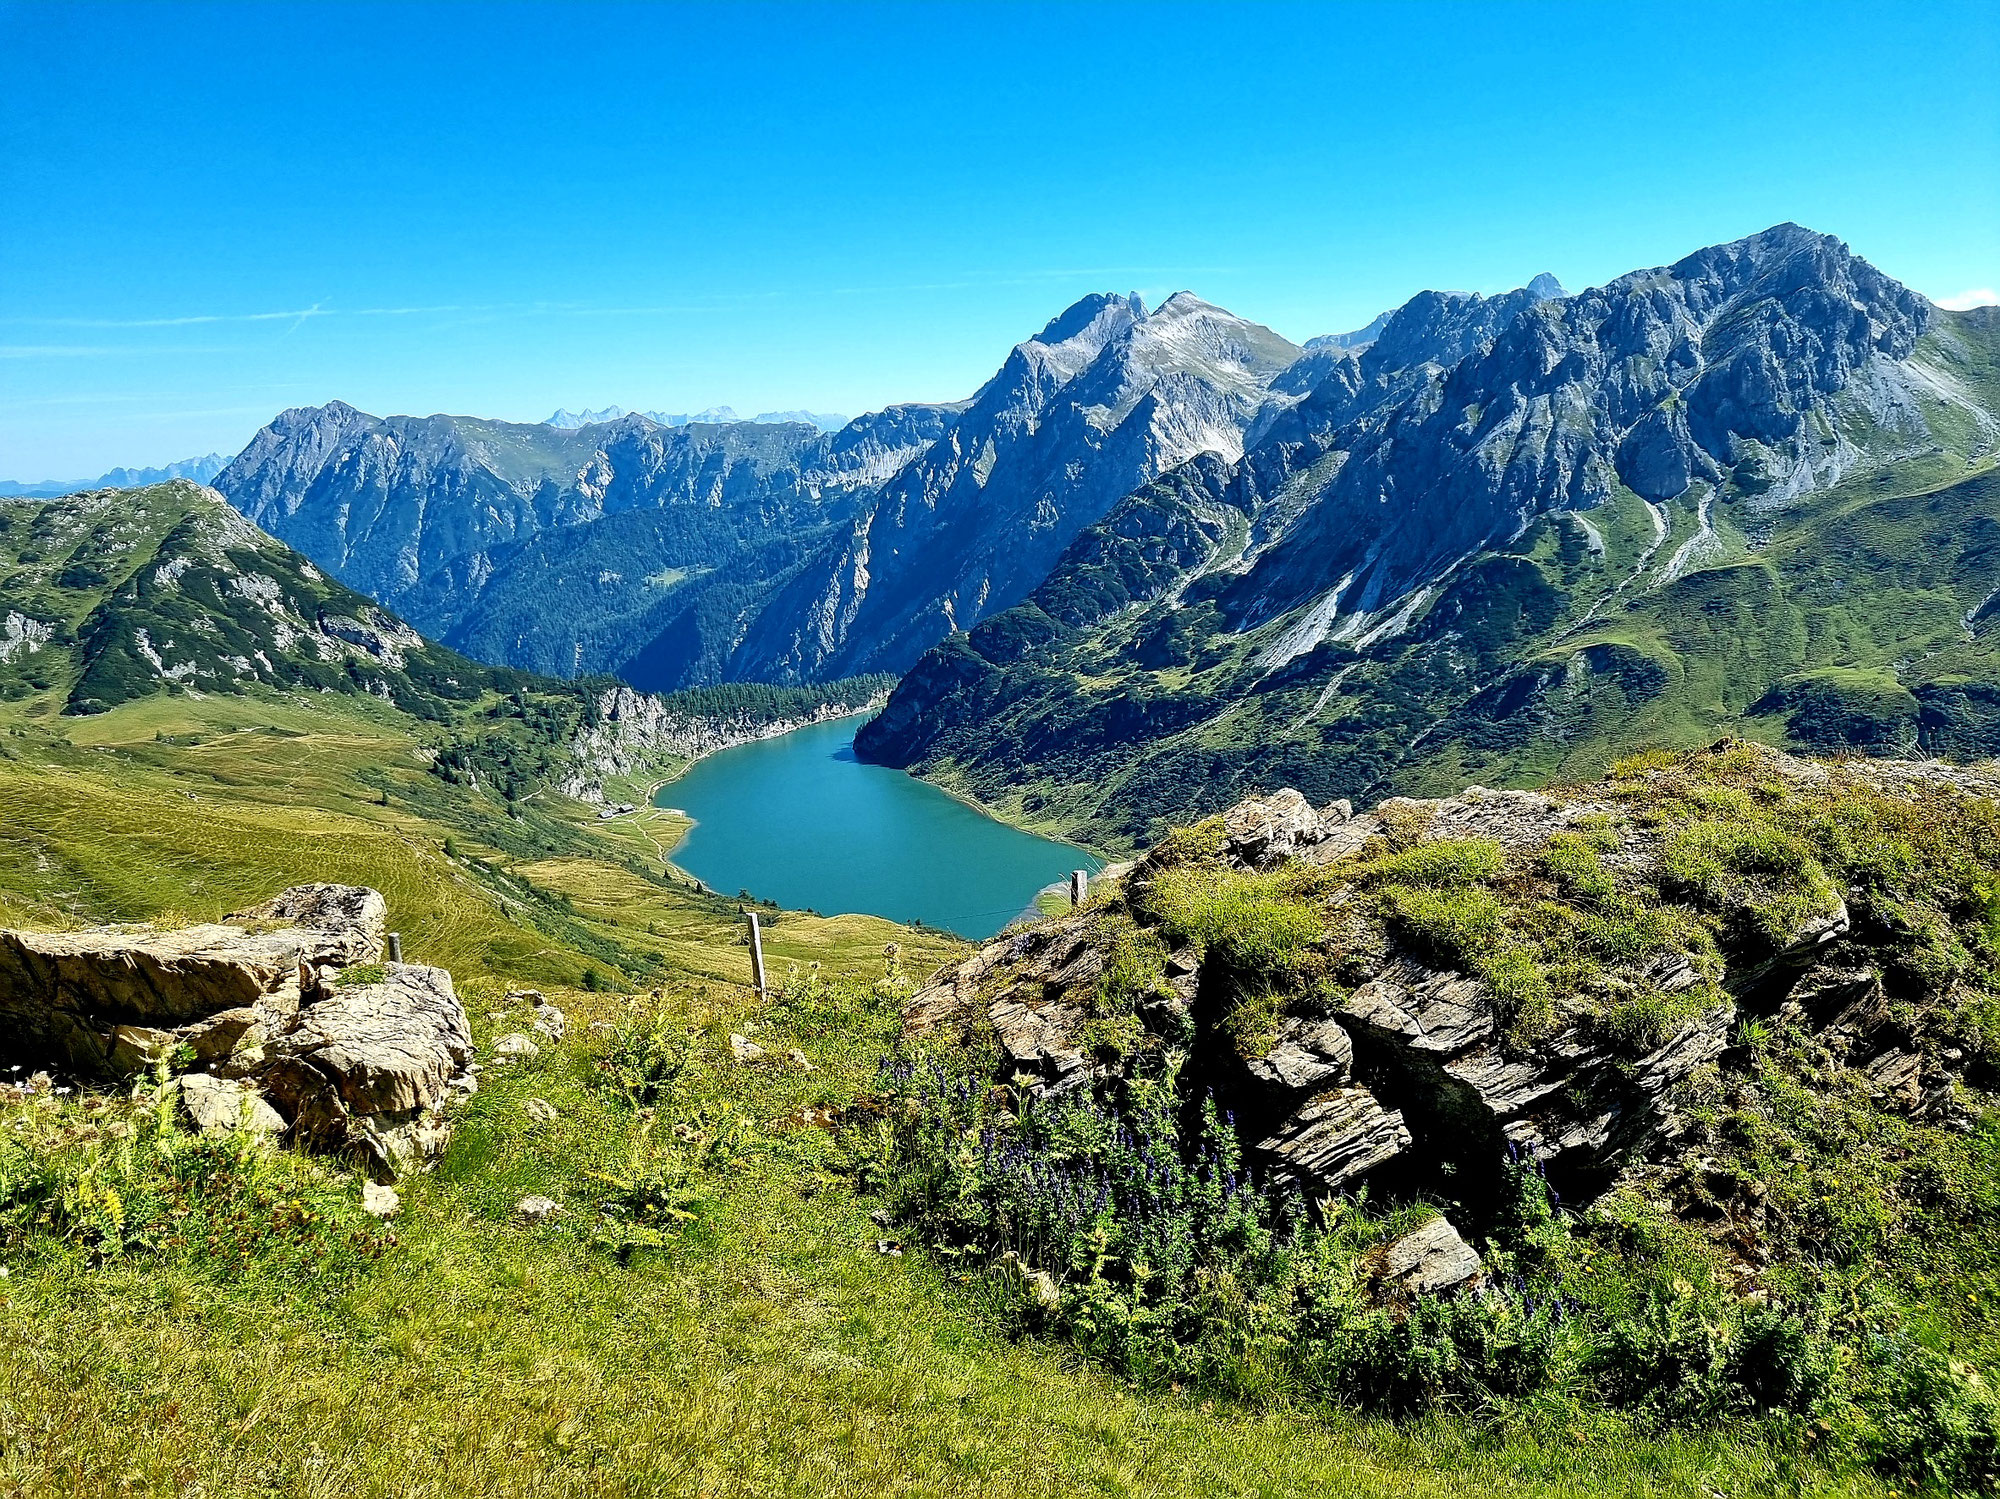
(1458,860)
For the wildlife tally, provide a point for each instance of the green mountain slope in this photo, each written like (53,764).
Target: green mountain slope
(114,595)
(1846,608)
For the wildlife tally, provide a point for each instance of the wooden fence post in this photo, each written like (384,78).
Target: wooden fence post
(757,954)
(1079,886)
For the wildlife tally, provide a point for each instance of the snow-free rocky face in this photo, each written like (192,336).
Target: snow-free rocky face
(1506,537)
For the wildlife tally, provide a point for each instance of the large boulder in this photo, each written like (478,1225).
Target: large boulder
(284,1026)
(111,1000)
(367,1069)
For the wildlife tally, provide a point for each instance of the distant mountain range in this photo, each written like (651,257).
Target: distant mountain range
(1751,492)
(201,470)
(760,552)
(1165,556)
(826,421)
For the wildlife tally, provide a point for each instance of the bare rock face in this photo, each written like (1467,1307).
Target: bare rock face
(1263,833)
(354,918)
(114,999)
(1008,984)
(368,1069)
(1335,1140)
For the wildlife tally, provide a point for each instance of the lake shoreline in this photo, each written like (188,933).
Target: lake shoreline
(811,827)
(964,797)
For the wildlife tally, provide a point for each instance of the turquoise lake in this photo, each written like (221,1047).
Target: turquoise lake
(798,820)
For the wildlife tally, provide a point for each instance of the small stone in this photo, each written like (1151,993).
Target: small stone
(514,1044)
(1430,1261)
(537,1209)
(800,1060)
(549,1021)
(378,1201)
(216,1107)
(540,1110)
(744,1051)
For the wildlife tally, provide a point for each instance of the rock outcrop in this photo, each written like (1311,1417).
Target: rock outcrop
(273,1008)
(1388,1058)
(115,999)
(367,1069)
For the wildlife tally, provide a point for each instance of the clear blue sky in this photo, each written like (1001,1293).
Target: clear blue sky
(215,213)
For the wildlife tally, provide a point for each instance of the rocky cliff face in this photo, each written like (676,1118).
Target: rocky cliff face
(1729,364)
(1498,537)
(749,551)
(447,519)
(628,731)
(1102,400)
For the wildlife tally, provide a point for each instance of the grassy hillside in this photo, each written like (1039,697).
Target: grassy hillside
(765,1347)
(713,1313)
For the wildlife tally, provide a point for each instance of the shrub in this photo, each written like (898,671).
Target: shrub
(1935,1420)
(1447,862)
(117,1178)
(646,1057)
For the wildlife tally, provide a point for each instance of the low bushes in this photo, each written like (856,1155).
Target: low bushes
(117,1178)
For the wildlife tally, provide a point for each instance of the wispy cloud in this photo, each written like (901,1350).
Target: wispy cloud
(295,316)
(1980,296)
(166,322)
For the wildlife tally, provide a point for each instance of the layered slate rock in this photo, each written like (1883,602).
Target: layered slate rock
(1017,987)
(1376,1062)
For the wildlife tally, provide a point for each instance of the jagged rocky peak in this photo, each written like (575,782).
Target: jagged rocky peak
(1072,339)
(1187,333)
(1723,368)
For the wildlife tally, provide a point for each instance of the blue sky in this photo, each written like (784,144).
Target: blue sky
(215,213)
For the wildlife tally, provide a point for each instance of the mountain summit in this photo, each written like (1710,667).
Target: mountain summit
(1506,535)
(1103,399)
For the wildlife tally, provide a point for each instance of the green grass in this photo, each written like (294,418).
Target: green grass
(766,1348)
(769,1349)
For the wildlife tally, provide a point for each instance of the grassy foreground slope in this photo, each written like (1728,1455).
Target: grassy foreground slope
(762,1344)
(759,1345)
